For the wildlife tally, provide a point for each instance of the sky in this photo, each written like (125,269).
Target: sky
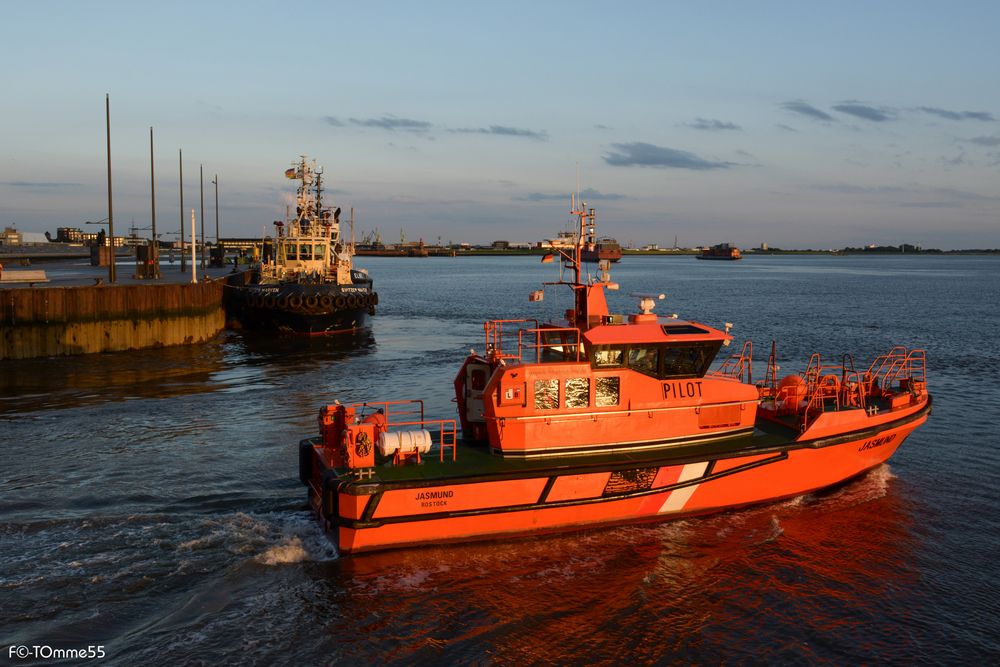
(796,124)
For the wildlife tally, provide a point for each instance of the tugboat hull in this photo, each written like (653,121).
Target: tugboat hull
(302,309)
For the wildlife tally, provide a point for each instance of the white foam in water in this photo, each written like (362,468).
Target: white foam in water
(301,539)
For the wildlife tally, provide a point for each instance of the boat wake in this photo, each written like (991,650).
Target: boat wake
(267,539)
(300,541)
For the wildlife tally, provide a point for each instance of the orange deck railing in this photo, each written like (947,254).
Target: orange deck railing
(531,339)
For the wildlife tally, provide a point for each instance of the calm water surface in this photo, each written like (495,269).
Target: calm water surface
(149,502)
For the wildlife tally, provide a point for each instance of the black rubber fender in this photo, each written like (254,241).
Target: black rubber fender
(305,462)
(330,500)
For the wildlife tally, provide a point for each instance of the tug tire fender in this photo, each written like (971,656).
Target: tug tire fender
(305,462)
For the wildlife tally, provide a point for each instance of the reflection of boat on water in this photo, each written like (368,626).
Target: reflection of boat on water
(259,347)
(307,282)
(722,251)
(600,419)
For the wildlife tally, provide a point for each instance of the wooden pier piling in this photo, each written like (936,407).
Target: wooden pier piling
(54,321)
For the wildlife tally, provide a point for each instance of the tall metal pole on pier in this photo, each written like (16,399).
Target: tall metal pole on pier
(194,261)
(155,251)
(201,181)
(111,221)
(215,182)
(180,156)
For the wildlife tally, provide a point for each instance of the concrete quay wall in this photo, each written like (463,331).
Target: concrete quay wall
(55,321)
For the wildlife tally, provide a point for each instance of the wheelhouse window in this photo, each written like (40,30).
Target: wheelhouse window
(606,356)
(546,394)
(690,360)
(673,360)
(577,392)
(290,251)
(606,391)
(644,359)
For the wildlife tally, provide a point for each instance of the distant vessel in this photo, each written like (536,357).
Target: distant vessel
(721,251)
(605,248)
(594,250)
(307,282)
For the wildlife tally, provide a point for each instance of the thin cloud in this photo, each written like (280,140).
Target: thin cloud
(603,127)
(985,141)
(712,125)
(865,112)
(641,154)
(930,204)
(333,120)
(782,126)
(588,194)
(503,131)
(40,185)
(934,195)
(392,123)
(800,107)
(984,116)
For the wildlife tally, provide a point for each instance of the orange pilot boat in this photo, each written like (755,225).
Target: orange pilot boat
(600,419)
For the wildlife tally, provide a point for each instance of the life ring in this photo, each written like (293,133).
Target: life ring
(295,301)
(326,301)
(363,446)
(312,300)
(340,302)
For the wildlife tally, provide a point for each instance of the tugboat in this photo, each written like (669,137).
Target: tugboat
(307,283)
(722,251)
(599,419)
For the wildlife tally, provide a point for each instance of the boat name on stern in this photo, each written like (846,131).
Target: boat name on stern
(434,498)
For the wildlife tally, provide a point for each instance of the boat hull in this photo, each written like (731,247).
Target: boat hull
(301,308)
(378,513)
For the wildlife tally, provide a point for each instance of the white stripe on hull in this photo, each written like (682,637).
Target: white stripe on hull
(679,497)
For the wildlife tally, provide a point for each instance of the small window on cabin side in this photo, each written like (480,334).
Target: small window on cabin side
(478,377)
(578,392)
(643,359)
(546,394)
(606,391)
(290,251)
(608,357)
